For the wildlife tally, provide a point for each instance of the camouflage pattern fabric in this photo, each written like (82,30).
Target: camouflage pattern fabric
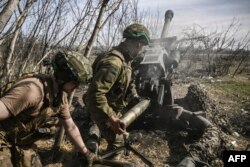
(5,153)
(23,132)
(16,156)
(207,147)
(5,157)
(26,158)
(137,31)
(73,65)
(80,64)
(110,85)
(113,139)
(108,91)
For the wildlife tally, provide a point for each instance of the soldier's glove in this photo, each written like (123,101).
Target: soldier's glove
(134,100)
(88,158)
(137,99)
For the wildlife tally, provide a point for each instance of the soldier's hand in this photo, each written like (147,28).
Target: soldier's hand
(136,99)
(116,125)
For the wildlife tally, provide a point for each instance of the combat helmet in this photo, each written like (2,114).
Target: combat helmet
(137,31)
(71,66)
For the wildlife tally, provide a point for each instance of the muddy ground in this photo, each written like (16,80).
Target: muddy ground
(167,146)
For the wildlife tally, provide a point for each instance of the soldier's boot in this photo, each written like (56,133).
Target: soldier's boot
(93,145)
(119,141)
(94,139)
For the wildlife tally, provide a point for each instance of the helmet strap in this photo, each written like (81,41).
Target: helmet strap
(58,98)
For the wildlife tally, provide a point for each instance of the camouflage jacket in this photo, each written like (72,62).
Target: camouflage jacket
(111,85)
(21,129)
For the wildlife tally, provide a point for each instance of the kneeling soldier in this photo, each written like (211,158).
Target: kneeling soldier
(34,99)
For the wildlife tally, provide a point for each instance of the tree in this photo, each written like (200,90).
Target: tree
(96,29)
(8,61)
(7,11)
(34,32)
(221,51)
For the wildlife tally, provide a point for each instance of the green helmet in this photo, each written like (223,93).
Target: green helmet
(71,66)
(137,31)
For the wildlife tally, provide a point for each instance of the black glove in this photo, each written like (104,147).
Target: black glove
(137,99)
(134,100)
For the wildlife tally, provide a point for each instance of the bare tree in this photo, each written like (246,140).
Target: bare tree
(69,24)
(7,11)
(243,59)
(32,39)
(124,13)
(220,51)
(76,29)
(111,26)
(96,28)
(8,61)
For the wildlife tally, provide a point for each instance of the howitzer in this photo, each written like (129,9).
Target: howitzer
(156,65)
(154,70)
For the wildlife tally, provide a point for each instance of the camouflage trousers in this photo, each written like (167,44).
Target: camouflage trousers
(107,133)
(5,152)
(11,156)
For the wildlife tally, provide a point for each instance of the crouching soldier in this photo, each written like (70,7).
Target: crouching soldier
(34,99)
(111,88)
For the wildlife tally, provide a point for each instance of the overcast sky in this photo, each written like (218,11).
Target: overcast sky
(207,13)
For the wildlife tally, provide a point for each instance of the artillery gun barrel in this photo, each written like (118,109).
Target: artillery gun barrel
(130,116)
(168,17)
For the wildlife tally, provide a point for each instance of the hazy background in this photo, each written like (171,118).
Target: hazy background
(209,14)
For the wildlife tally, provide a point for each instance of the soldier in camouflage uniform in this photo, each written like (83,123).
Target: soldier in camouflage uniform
(111,88)
(31,101)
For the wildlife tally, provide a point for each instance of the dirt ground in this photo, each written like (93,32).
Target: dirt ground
(167,147)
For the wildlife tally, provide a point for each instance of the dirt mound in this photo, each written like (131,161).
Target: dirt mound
(197,99)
